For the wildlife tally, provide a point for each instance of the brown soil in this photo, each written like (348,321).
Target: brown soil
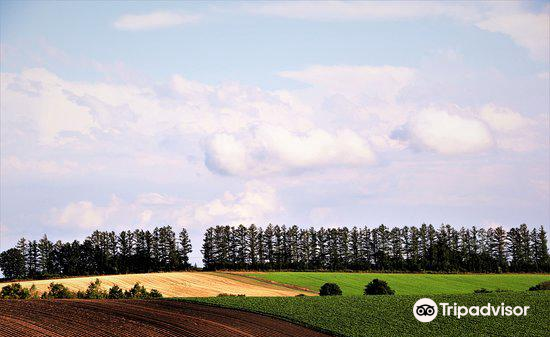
(61,318)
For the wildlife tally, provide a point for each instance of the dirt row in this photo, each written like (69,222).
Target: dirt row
(61,318)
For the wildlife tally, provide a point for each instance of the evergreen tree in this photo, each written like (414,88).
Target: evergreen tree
(184,248)
(252,242)
(207,251)
(45,248)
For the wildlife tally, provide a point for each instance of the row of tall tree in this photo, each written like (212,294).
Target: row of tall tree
(413,249)
(102,252)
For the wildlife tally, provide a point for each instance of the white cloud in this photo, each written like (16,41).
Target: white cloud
(35,100)
(146,210)
(269,149)
(513,131)
(382,83)
(355,10)
(529,30)
(82,214)
(253,205)
(154,20)
(502,119)
(449,134)
(155,199)
(13,164)
(226,154)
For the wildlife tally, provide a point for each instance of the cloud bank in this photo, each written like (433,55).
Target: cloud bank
(153,20)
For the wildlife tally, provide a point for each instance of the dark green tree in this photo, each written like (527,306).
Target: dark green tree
(12,264)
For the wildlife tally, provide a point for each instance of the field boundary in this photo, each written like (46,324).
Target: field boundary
(290,286)
(283,318)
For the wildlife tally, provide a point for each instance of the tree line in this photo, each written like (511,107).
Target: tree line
(410,249)
(103,252)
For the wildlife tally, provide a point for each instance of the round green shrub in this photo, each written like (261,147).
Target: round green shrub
(378,287)
(330,289)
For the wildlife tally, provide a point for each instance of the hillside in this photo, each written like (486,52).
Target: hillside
(175,284)
(405,284)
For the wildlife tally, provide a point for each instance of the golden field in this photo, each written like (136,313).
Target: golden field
(175,284)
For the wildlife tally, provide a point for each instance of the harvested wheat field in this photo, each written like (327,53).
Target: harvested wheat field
(67,318)
(176,284)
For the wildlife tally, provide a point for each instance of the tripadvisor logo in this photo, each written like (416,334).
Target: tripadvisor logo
(425,310)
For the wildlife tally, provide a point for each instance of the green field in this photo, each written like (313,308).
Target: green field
(360,316)
(408,284)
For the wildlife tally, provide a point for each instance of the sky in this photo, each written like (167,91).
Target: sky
(125,115)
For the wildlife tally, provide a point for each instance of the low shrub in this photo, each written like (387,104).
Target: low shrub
(95,291)
(155,294)
(58,290)
(33,292)
(378,287)
(14,291)
(545,285)
(137,291)
(115,292)
(330,289)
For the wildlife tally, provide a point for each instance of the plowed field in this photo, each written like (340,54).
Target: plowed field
(136,318)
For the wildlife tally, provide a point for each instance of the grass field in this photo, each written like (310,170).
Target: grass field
(407,284)
(174,284)
(360,316)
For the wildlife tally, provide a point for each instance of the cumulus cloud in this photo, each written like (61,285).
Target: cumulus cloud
(449,134)
(147,209)
(42,105)
(526,29)
(154,20)
(83,214)
(512,130)
(254,204)
(502,119)
(269,149)
(155,126)
(382,83)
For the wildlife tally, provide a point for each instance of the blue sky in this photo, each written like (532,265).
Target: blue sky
(125,115)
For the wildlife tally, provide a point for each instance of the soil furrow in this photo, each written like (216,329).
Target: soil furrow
(125,318)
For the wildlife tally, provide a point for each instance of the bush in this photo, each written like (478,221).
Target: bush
(58,290)
(155,294)
(14,291)
(378,287)
(95,291)
(541,286)
(137,291)
(33,292)
(330,289)
(115,292)
(482,291)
